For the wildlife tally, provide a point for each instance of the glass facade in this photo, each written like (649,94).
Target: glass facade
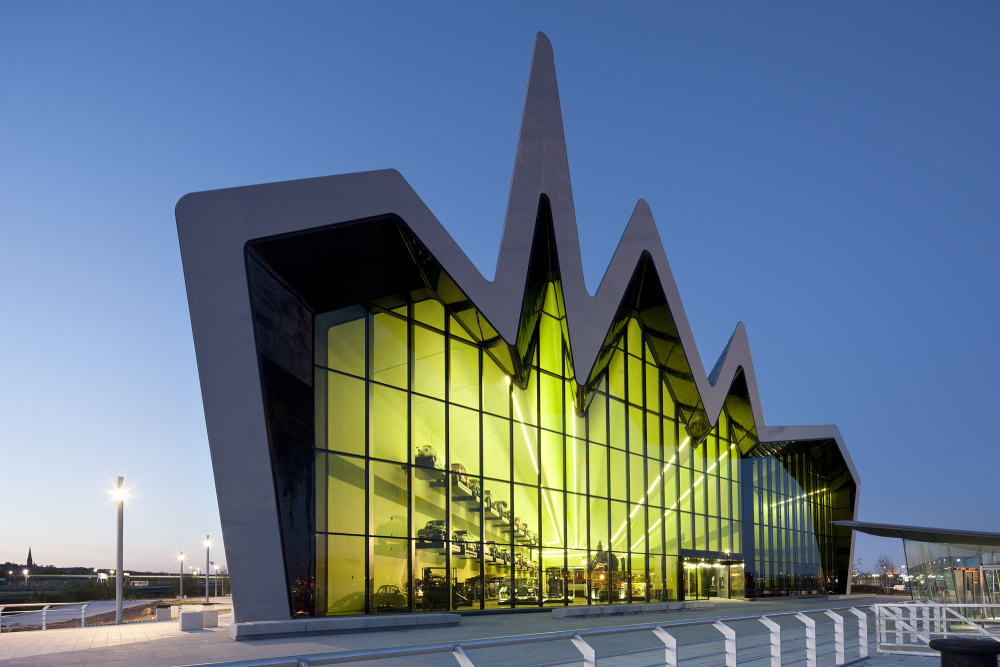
(443,482)
(953,573)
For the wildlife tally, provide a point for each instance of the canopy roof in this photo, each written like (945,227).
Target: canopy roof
(948,535)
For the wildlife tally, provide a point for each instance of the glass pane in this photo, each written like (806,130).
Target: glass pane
(456,329)
(526,401)
(550,344)
(496,388)
(345,571)
(634,337)
(617,418)
(496,447)
(388,423)
(576,465)
(428,362)
(598,470)
(553,526)
(552,402)
(429,312)
(389,350)
(345,413)
(576,521)
(652,388)
(552,460)
(599,519)
(391,584)
(636,442)
(597,417)
(525,453)
(635,392)
(619,476)
(345,345)
(619,526)
(637,478)
(616,375)
(464,386)
(428,432)
(346,491)
(464,439)
(389,498)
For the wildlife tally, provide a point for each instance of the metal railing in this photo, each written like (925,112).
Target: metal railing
(911,627)
(51,612)
(798,639)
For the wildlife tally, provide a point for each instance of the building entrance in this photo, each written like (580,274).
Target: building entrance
(707,578)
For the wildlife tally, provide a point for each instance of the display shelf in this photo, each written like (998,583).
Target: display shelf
(428,473)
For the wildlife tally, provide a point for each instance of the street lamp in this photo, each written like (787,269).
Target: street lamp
(216,566)
(180,594)
(120,497)
(208,570)
(25,571)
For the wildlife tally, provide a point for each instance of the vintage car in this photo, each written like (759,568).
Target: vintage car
(468,542)
(427,457)
(434,531)
(505,555)
(463,476)
(529,536)
(487,500)
(390,597)
(493,550)
(500,507)
(518,525)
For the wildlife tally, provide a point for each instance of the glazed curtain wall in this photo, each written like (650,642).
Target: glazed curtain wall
(441,484)
(953,573)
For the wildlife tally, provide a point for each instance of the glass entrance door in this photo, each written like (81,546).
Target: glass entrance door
(705,578)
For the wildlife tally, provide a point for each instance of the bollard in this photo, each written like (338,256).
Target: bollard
(670,646)
(589,654)
(810,638)
(775,640)
(730,635)
(45,610)
(838,634)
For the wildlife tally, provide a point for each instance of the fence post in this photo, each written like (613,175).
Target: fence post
(670,646)
(775,640)
(862,631)
(463,658)
(810,638)
(589,654)
(45,610)
(838,634)
(730,635)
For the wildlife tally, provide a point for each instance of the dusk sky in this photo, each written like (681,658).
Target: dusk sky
(828,173)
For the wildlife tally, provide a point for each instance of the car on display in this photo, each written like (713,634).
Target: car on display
(434,531)
(390,597)
(462,474)
(487,500)
(529,536)
(505,556)
(477,491)
(493,551)
(427,457)
(468,542)
(518,526)
(500,507)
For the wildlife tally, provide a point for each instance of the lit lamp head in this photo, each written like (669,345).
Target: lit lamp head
(24,571)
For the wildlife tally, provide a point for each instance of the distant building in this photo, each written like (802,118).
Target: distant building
(31,563)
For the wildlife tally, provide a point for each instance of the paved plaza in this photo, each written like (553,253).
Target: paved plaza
(162,644)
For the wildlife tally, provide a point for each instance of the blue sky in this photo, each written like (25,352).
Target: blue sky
(826,172)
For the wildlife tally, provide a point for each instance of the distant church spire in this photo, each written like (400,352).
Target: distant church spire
(30,563)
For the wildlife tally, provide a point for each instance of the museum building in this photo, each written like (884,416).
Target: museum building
(393,433)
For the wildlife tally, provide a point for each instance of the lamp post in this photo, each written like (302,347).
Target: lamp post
(180,593)
(208,569)
(216,566)
(25,571)
(120,496)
